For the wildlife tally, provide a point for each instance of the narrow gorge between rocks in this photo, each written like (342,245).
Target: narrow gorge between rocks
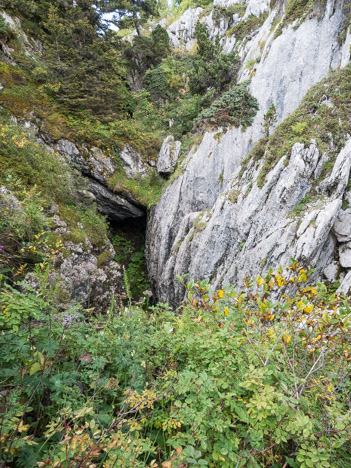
(175,233)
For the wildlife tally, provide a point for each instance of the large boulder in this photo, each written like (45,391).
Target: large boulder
(132,162)
(168,156)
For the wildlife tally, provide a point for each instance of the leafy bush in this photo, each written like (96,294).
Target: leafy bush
(185,114)
(237,379)
(235,107)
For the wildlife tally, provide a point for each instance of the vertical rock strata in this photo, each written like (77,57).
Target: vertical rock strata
(240,223)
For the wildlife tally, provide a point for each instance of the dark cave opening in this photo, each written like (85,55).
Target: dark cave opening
(128,239)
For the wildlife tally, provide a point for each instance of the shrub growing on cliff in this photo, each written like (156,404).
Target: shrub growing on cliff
(210,67)
(235,107)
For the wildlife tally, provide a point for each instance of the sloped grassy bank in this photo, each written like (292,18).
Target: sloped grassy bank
(235,379)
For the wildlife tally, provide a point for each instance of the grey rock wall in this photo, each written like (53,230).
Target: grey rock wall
(235,237)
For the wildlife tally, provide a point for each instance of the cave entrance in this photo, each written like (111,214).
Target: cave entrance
(128,239)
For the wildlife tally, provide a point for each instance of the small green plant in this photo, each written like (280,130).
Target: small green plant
(132,258)
(301,207)
(233,195)
(269,119)
(299,128)
(250,64)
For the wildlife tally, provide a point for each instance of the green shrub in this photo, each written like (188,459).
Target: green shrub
(157,84)
(235,107)
(210,67)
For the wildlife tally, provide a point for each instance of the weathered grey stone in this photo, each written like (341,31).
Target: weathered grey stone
(133,164)
(168,156)
(67,148)
(58,222)
(342,226)
(345,287)
(86,196)
(181,32)
(91,161)
(114,206)
(331,271)
(85,278)
(8,201)
(345,53)
(337,181)
(241,232)
(345,255)
(226,3)
(256,8)
(248,224)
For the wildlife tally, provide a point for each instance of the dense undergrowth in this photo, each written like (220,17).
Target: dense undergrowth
(234,379)
(39,185)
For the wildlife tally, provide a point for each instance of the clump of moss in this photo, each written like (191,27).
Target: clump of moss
(147,190)
(324,115)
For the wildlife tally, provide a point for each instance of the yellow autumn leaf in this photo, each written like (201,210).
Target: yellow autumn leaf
(226,311)
(259,281)
(280,280)
(220,293)
(34,368)
(300,305)
(286,338)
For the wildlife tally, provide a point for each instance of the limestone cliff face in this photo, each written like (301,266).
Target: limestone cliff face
(198,228)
